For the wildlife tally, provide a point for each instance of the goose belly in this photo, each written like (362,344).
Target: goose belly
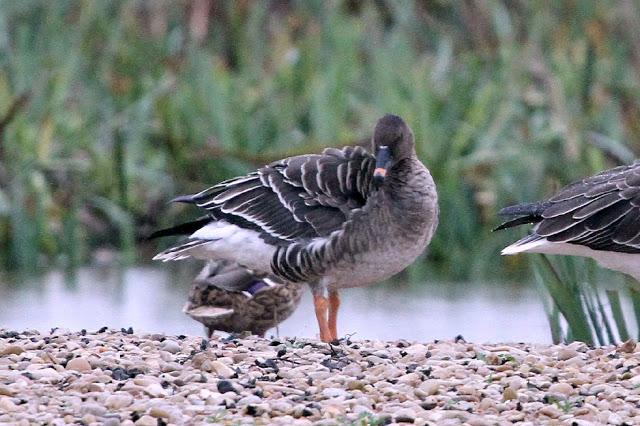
(370,268)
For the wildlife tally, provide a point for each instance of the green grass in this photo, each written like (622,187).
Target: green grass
(585,303)
(108,109)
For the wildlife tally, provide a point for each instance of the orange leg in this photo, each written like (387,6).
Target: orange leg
(321,304)
(334,304)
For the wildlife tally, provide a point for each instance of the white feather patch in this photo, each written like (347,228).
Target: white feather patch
(628,263)
(224,241)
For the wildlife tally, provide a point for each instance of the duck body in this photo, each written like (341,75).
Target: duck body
(230,298)
(344,218)
(597,217)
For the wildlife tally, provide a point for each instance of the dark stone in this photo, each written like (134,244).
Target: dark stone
(428,405)
(225,386)
(426,372)
(404,419)
(120,373)
(204,344)
(268,363)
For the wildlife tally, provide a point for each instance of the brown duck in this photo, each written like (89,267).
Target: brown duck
(228,297)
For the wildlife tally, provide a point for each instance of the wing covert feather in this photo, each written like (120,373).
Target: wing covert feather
(300,197)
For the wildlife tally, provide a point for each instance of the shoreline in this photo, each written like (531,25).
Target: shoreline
(119,378)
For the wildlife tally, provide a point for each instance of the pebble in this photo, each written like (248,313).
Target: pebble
(6,391)
(566,353)
(146,420)
(222,370)
(160,412)
(118,401)
(225,386)
(630,346)
(111,421)
(550,411)
(11,350)
(88,419)
(93,408)
(155,390)
(561,388)
(430,387)
(79,364)
(170,346)
(334,393)
(172,380)
(250,399)
(404,415)
(351,385)
(509,394)
(7,405)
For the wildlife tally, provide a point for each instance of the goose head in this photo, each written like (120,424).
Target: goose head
(392,142)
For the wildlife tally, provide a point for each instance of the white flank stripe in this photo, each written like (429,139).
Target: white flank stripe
(341,178)
(628,263)
(269,282)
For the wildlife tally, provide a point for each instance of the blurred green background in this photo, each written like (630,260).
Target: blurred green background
(110,108)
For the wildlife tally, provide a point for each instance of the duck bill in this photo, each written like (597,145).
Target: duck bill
(383,159)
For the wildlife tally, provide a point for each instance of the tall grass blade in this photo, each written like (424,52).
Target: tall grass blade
(618,316)
(566,298)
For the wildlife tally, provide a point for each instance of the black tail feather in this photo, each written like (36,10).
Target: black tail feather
(517,222)
(528,212)
(182,229)
(526,209)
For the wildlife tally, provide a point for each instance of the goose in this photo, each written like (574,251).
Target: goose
(342,218)
(227,297)
(596,217)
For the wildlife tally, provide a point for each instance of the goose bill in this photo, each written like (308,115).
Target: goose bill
(383,159)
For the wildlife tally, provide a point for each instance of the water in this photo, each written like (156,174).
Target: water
(150,298)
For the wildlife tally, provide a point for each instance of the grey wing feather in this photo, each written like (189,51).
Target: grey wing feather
(601,212)
(300,197)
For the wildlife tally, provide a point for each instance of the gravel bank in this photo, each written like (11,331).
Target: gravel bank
(120,378)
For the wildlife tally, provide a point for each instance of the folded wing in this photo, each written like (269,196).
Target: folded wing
(294,199)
